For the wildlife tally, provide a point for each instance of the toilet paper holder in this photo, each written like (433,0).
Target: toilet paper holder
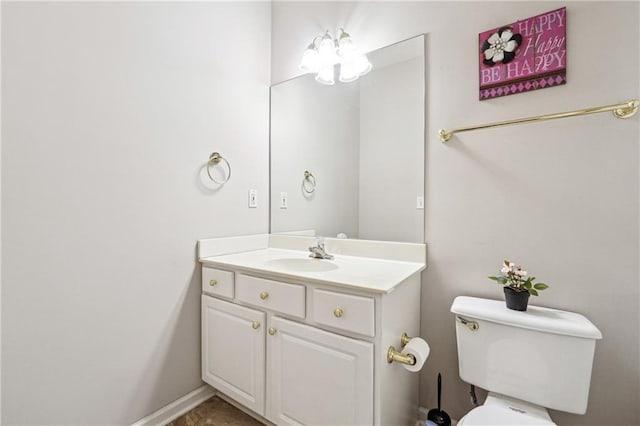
(395,355)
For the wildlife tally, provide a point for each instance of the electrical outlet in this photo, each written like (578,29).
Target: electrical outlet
(420,202)
(253,198)
(284,201)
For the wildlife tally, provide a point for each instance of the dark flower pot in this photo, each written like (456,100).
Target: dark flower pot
(516,300)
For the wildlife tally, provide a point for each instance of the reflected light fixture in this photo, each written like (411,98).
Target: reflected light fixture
(325,52)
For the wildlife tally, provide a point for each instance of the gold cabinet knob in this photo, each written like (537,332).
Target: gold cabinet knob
(213,282)
(272,330)
(264,295)
(338,312)
(255,325)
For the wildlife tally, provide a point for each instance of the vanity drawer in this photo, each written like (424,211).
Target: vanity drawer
(277,296)
(344,311)
(217,282)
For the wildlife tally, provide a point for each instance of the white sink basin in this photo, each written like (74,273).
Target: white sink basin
(303,265)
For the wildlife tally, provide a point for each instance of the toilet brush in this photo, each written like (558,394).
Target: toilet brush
(436,415)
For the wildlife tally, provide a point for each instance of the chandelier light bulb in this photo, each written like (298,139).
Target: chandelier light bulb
(346,46)
(362,65)
(310,60)
(327,50)
(348,72)
(325,75)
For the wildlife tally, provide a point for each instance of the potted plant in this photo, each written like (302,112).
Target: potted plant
(517,286)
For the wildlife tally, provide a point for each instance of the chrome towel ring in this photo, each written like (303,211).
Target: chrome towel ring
(214,159)
(308,182)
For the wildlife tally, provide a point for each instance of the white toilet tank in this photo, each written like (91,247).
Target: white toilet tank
(543,356)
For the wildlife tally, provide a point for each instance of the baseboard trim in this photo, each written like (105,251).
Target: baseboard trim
(172,411)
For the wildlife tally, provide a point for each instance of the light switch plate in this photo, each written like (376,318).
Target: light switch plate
(420,202)
(253,198)
(284,200)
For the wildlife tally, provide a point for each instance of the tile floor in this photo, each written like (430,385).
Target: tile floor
(215,411)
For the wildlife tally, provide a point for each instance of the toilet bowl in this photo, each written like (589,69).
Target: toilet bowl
(501,410)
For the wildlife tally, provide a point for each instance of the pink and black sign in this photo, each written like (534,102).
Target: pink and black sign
(527,55)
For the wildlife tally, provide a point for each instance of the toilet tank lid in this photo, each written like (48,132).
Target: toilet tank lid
(534,318)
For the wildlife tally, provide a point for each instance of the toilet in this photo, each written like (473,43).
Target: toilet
(528,361)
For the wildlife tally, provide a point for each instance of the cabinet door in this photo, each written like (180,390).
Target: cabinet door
(317,378)
(233,351)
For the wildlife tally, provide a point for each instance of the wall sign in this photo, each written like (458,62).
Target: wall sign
(527,55)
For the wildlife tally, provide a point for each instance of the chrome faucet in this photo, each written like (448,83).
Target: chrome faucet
(318,251)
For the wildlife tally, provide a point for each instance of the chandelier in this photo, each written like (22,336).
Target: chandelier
(325,52)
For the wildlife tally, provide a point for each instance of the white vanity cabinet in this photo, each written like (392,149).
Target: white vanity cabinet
(306,367)
(300,354)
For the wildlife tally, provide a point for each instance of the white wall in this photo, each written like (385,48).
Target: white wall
(561,197)
(109,112)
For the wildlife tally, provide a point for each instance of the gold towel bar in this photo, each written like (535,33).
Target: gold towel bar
(622,110)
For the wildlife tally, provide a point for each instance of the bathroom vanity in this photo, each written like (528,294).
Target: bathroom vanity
(298,340)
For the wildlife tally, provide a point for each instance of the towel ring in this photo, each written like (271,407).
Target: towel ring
(214,159)
(311,186)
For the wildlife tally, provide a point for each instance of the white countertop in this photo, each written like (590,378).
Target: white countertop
(360,273)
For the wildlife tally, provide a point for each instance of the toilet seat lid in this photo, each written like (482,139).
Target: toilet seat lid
(491,415)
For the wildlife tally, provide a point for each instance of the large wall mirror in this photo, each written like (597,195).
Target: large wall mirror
(362,144)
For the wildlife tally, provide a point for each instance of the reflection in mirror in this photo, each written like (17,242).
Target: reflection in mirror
(363,143)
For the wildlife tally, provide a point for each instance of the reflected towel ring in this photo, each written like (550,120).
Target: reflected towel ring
(214,159)
(311,185)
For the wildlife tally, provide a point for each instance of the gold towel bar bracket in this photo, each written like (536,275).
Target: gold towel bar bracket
(622,110)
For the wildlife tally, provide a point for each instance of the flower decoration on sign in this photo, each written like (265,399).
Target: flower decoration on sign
(501,46)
